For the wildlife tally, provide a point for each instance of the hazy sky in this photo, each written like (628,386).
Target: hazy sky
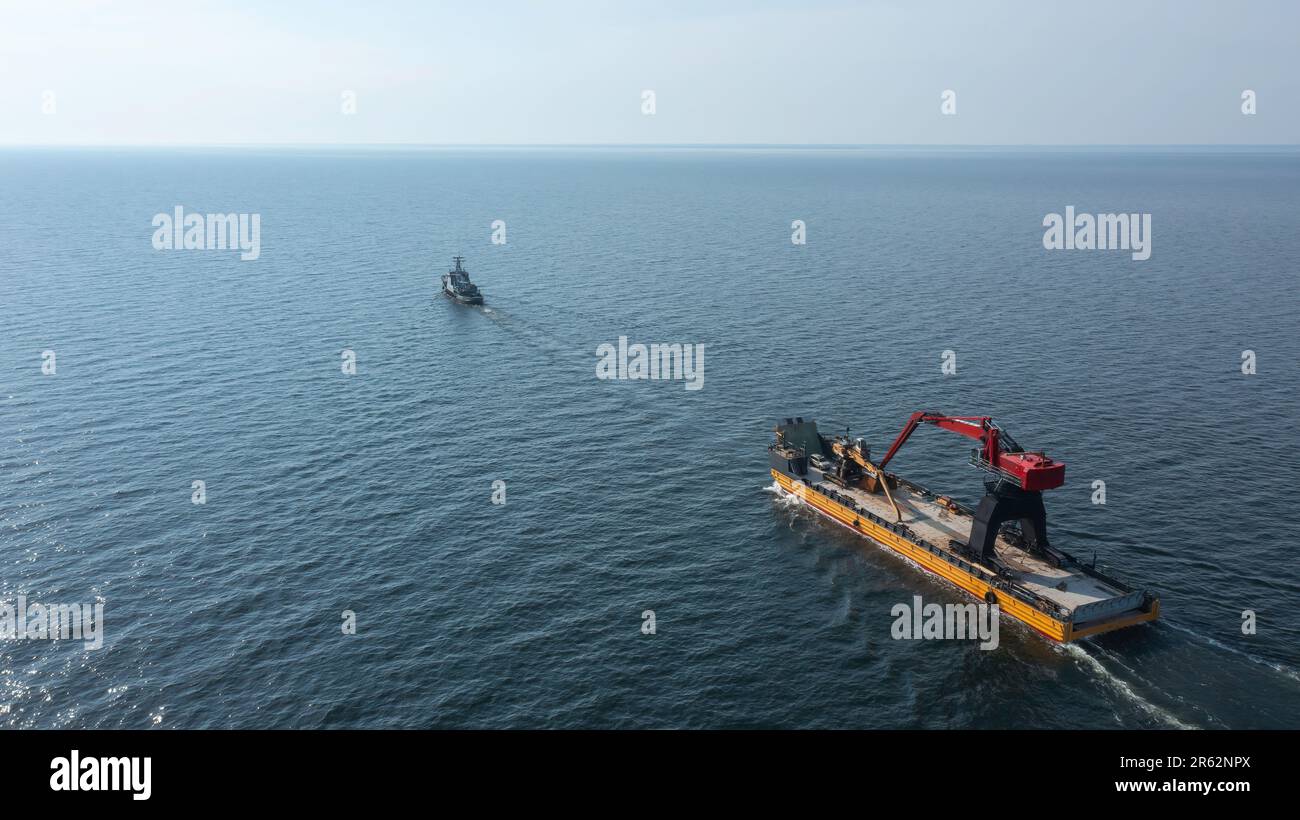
(801,71)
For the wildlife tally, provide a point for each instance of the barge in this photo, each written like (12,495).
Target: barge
(998,552)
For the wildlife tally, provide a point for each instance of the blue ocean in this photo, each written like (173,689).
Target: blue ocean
(363,499)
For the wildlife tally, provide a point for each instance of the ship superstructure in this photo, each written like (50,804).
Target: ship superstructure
(456,284)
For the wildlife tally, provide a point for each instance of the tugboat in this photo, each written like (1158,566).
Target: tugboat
(456,284)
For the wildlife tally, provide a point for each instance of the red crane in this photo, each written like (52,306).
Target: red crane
(998,452)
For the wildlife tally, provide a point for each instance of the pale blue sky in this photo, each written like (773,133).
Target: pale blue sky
(195,72)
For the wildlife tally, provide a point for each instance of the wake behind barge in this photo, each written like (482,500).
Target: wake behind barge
(999,552)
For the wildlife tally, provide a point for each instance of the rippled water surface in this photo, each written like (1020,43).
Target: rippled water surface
(372,493)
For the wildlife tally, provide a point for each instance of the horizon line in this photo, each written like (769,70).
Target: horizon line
(688,145)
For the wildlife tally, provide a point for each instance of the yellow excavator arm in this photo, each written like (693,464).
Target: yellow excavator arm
(875,477)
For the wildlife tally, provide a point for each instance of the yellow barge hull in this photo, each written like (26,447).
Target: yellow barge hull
(1061,627)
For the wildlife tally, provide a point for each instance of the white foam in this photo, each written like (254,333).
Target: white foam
(1119,686)
(784,498)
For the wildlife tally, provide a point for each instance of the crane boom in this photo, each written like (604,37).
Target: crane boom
(1030,471)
